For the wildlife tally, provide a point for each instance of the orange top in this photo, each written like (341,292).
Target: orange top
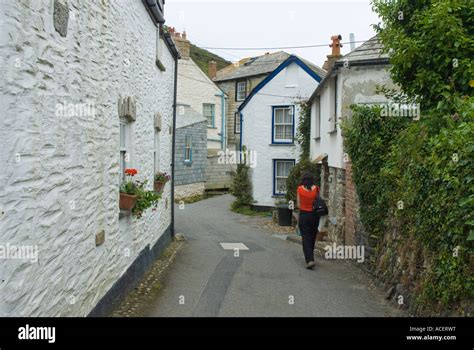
(307,197)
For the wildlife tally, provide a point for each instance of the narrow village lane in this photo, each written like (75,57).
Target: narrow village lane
(268,279)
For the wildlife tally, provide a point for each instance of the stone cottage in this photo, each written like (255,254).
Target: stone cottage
(351,79)
(190,153)
(237,81)
(82,99)
(269,118)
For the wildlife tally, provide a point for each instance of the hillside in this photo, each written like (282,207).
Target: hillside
(202,57)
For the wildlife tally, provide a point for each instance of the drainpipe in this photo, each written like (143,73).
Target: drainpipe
(173,148)
(223,125)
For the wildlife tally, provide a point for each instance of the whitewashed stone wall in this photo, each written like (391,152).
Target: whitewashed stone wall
(195,88)
(60,175)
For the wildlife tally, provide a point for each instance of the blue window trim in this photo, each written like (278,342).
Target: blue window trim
(190,160)
(213,114)
(282,66)
(274,173)
(273,126)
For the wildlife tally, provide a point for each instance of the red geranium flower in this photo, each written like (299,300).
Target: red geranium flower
(131,171)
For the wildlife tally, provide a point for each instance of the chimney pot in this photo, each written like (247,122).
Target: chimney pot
(212,66)
(335,54)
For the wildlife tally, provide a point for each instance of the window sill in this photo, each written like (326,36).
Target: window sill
(279,195)
(160,65)
(332,132)
(124,213)
(211,127)
(282,144)
(317,138)
(188,163)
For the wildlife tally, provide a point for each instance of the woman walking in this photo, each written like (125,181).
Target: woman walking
(308,222)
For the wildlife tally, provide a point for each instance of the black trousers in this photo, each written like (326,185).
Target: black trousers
(308,224)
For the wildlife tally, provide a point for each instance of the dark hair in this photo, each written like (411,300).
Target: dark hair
(307,180)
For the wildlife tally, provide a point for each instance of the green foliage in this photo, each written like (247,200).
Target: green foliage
(429,171)
(303,133)
(294,177)
(146,199)
(202,57)
(241,187)
(367,139)
(431,45)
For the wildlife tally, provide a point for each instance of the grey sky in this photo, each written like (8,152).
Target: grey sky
(271,23)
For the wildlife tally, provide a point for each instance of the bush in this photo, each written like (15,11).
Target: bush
(241,187)
(294,177)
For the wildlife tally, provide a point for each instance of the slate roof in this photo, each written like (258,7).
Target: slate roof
(369,50)
(189,117)
(259,65)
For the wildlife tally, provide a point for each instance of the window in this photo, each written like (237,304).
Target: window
(281,170)
(124,147)
(317,104)
(188,149)
(159,49)
(208,111)
(237,123)
(333,106)
(156,152)
(283,124)
(241,90)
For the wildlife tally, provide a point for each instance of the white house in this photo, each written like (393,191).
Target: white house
(198,91)
(269,120)
(351,79)
(82,99)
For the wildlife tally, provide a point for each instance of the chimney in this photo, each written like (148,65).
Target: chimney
(212,69)
(335,54)
(183,44)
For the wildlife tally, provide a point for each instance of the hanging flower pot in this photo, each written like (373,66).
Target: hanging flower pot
(158,186)
(160,181)
(127,201)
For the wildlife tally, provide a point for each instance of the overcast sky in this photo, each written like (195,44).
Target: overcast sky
(271,23)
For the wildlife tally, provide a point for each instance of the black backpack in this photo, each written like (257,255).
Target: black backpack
(319,207)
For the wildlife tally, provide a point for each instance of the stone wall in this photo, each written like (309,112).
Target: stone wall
(218,176)
(59,184)
(194,171)
(195,88)
(184,191)
(333,188)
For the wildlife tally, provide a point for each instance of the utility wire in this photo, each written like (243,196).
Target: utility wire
(276,48)
(258,93)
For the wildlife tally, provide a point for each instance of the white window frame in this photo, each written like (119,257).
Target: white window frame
(124,148)
(291,113)
(239,90)
(213,113)
(188,146)
(237,125)
(276,177)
